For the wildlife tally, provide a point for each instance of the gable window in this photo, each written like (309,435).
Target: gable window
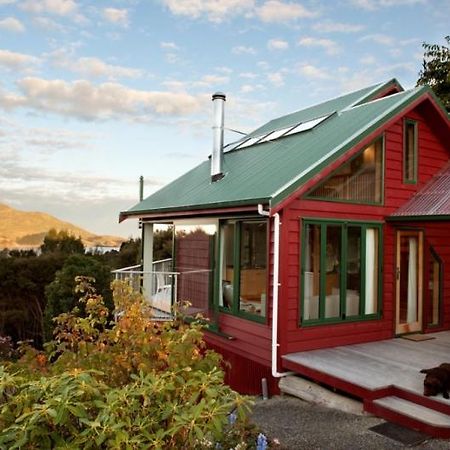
(410,152)
(359,181)
(340,271)
(243,268)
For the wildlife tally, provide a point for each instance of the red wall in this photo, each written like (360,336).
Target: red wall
(432,156)
(249,349)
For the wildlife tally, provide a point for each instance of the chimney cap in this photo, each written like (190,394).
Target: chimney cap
(219,95)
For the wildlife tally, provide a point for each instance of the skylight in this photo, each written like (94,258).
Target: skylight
(273,135)
(305,126)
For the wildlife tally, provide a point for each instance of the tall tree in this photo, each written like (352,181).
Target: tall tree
(62,242)
(436,70)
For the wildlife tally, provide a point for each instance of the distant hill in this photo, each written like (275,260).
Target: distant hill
(24,229)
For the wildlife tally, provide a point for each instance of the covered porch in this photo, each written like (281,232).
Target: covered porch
(386,376)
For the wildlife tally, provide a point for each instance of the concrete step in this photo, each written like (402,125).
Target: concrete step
(415,411)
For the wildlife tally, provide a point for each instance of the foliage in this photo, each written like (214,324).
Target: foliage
(62,242)
(22,294)
(60,293)
(162,244)
(436,70)
(135,383)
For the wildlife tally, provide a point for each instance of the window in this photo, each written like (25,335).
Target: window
(340,271)
(434,289)
(359,181)
(410,152)
(243,267)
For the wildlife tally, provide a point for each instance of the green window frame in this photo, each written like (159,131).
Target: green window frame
(350,304)
(319,192)
(410,151)
(229,297)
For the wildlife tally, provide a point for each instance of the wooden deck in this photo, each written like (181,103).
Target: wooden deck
(386,376)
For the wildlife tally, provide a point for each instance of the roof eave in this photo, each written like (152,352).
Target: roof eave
(164,212)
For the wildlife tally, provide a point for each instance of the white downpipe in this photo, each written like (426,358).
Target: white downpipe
(275,286)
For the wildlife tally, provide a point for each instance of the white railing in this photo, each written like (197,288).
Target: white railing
(159,287)
(162,287)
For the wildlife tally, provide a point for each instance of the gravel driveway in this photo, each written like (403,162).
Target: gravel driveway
(301,425)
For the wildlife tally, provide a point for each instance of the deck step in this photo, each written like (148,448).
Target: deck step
(414,411)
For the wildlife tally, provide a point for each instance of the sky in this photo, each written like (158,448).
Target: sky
(94,94)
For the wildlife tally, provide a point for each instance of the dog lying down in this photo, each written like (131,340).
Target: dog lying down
(437,380)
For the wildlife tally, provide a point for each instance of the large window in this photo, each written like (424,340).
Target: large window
(243,267)
(359,180)
(340,271)
(410,152)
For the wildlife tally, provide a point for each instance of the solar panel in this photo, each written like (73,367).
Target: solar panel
(275,134)
(305,126)
(249,142)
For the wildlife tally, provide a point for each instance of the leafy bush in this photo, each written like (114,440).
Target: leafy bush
(134,383)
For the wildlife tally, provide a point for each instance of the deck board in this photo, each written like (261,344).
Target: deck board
(380,364)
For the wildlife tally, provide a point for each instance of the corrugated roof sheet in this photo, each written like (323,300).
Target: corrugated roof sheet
(270,171)
(432,200)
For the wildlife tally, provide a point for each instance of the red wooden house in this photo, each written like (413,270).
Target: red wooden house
(325,227)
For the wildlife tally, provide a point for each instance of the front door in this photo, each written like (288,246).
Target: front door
(409,281)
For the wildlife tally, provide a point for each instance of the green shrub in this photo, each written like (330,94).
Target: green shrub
(132,384)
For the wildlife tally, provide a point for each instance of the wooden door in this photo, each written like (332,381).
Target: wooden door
(409,281)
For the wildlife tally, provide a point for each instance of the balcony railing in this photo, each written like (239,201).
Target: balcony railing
(162,287)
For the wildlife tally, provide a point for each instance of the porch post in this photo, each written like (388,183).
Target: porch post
(147,260)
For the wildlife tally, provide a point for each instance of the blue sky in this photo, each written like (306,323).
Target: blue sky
(95,94)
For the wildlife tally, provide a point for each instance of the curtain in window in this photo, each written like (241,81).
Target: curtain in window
(370,306)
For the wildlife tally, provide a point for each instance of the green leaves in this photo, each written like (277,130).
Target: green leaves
(132,384)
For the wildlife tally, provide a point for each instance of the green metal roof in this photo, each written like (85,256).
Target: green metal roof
(326,108)
(270,171)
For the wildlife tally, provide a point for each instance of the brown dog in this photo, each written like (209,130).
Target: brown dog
(437,380)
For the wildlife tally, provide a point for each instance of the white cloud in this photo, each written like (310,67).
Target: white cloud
(48,24)
(277,44)
(313,72)
(58,7)
(279,11)
(243,50)
(16,61)
(169,45)
(337,27)
(94,67)
(382,39)
(214,11)
(84,100)
(7,2)
(327,44)
(368,60)
(248,75)
(371,5)
(116,16)
(276,78)
(212,80)
(247,88)
(12,24)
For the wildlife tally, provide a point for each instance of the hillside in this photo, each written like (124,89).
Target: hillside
(20,229)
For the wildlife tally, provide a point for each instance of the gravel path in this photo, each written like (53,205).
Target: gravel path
(301,425)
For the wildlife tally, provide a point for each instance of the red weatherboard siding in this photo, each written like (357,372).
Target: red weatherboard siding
(437,236)
(432,156)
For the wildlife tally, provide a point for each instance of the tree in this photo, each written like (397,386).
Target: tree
(60,293)
(436,70)
(62,242)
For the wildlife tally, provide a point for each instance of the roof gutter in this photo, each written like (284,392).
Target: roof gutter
(275,289)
